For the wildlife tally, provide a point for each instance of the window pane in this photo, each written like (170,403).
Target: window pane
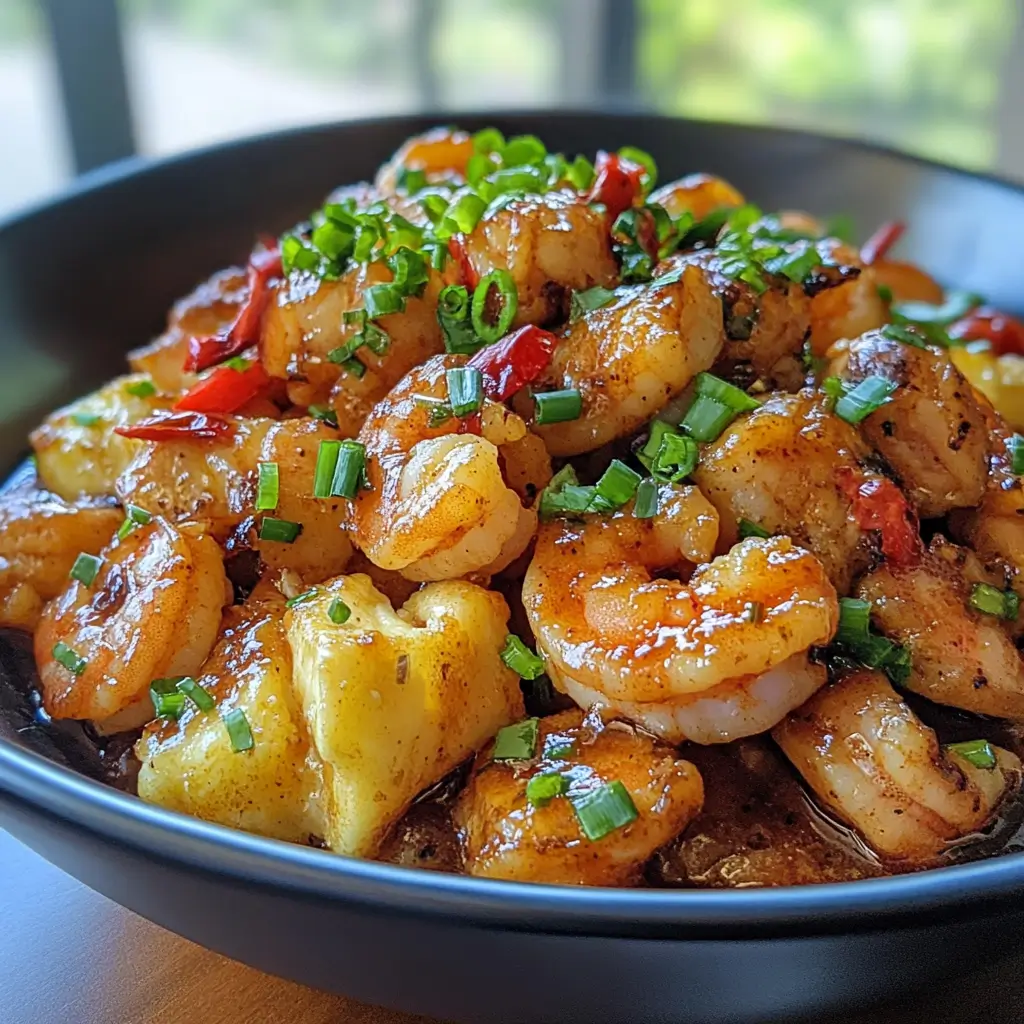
(34,162)
(922,76)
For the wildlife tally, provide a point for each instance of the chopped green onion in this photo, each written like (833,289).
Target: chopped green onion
(991,600)
(884,292)
(557,745)
(409,271)
(69,658)
(523,149)
(338,612)
(676,456)
(348,473)
(976,752)
(617,485)
(747,528)
(168,700)
(237,363)
(324,413)
(281,530)
(465,390)
(521,659)
(565,495)
(502,280)
(462,215)
(306,595)
(585,302)
(953,307)
(580,174)
(646,504)
(716,405)
(753,611)
(411,180)
(268,488)
(542,789)
(326,463)
(488,140)
(353,366)
(198,694)
(141,388)
(85,568)
(383,299)
(239,731)
(874,651)
(440,411)
(134,516)
(453,314)
(1015,448)
(870,394)
(604,810)
(557,406)
(297,256)
(516,742)
(86,419)
(906,335)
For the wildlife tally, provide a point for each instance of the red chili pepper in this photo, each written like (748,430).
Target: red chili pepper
(188,426)
(878,504)
(457,251)
(245,329)
(515,361)
(876,247)
(225,390)
(616,185)
(472,424)
(1005,332)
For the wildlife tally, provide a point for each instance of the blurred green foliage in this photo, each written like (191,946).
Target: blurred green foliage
(19,21)
(922,75)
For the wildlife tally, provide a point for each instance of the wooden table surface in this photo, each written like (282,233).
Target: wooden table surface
(70,956)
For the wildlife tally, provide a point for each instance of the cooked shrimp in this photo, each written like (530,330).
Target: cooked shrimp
(849,304)
(995,529)
(152,611)
(505,835)
(438,505)
(908,283)
(628,360)
(872,761)
(932,431)
(551,245)
(40,538)
(721,657)
(779,468)
(216,482)
(959,656)
(698,195)
(77,451)
(305,323)
(204,312)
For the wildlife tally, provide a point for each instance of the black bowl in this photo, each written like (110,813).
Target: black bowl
(87,276)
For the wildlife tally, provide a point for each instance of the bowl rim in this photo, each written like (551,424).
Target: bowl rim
(34,785)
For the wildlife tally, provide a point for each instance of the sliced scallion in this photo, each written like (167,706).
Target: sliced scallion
(509,299)
(85,568)
(326,463)
(383,299)
(283,531)
(516,742)
(196,692)
(348,473)
(239,730)
(338,612)
(617,485)
(268,487)
(989,600)
(518,657)
(141,388)
(324,413)
(587,301)
(603,810)
(69,658)
(1015,449)
(306,595)
(542,789)
(976,752)
(134,516)
(557,406)
(453,314)
(168,700)
(747,528)
(86,419)
(904,334)
(465,390)
(646,504)
(716,405)
(870,394)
